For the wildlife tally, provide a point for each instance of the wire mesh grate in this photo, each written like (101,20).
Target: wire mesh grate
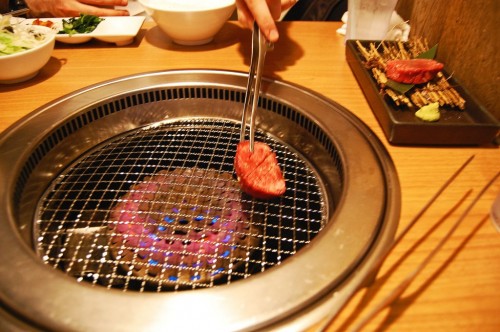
(159,209)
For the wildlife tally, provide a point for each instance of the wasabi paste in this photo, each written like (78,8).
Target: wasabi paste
(428,112)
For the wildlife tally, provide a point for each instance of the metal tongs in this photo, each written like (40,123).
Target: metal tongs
(260,46)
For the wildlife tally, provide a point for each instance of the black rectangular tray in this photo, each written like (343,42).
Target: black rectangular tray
(472,126)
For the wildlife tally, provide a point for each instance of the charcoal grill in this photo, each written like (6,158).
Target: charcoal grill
(70,167)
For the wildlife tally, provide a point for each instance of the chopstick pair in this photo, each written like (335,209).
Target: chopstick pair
(397,291)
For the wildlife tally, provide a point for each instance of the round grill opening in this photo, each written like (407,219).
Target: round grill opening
(122,195)
(159,209)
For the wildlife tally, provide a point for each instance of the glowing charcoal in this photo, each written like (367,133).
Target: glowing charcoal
(154,237)
(122,228)
(132,241)
(177,233)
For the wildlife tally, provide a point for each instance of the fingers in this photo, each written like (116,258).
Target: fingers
(258,10)
(245,17)
(97,11)
(265,17)
(82,8)
(73,8)
(287,4)
(103,7)
(105,3)
(265,12)
(274,9)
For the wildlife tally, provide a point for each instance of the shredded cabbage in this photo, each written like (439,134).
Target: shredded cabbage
(15,37)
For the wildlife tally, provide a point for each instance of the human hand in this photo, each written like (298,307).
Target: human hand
(73,8)
(265,12)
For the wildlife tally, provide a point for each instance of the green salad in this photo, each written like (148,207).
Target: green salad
(16,38)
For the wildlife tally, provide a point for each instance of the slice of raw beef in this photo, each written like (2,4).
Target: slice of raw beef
(414,71)
(258,172)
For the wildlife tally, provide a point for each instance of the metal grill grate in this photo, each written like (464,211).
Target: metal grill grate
(76,230)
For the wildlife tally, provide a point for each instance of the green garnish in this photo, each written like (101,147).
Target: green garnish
(402,88)
(429,54)
(83,24)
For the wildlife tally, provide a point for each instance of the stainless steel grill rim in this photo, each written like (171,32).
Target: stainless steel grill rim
(301,283)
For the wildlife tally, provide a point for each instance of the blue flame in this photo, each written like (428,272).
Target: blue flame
(168,219)
(219,270)
(214,220)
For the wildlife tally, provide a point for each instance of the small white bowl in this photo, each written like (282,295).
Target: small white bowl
(189,22)
(24,65)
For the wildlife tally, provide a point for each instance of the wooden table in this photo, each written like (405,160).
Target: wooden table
(460,288)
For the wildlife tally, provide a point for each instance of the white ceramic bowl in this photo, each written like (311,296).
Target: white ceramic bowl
(189,22)
(22,66)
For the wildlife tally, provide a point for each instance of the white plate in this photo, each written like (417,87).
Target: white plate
(120,30)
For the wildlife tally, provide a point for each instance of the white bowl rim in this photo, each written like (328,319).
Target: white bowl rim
(217,4)
(51,35)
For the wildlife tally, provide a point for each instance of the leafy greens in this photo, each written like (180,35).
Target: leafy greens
(82,24)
